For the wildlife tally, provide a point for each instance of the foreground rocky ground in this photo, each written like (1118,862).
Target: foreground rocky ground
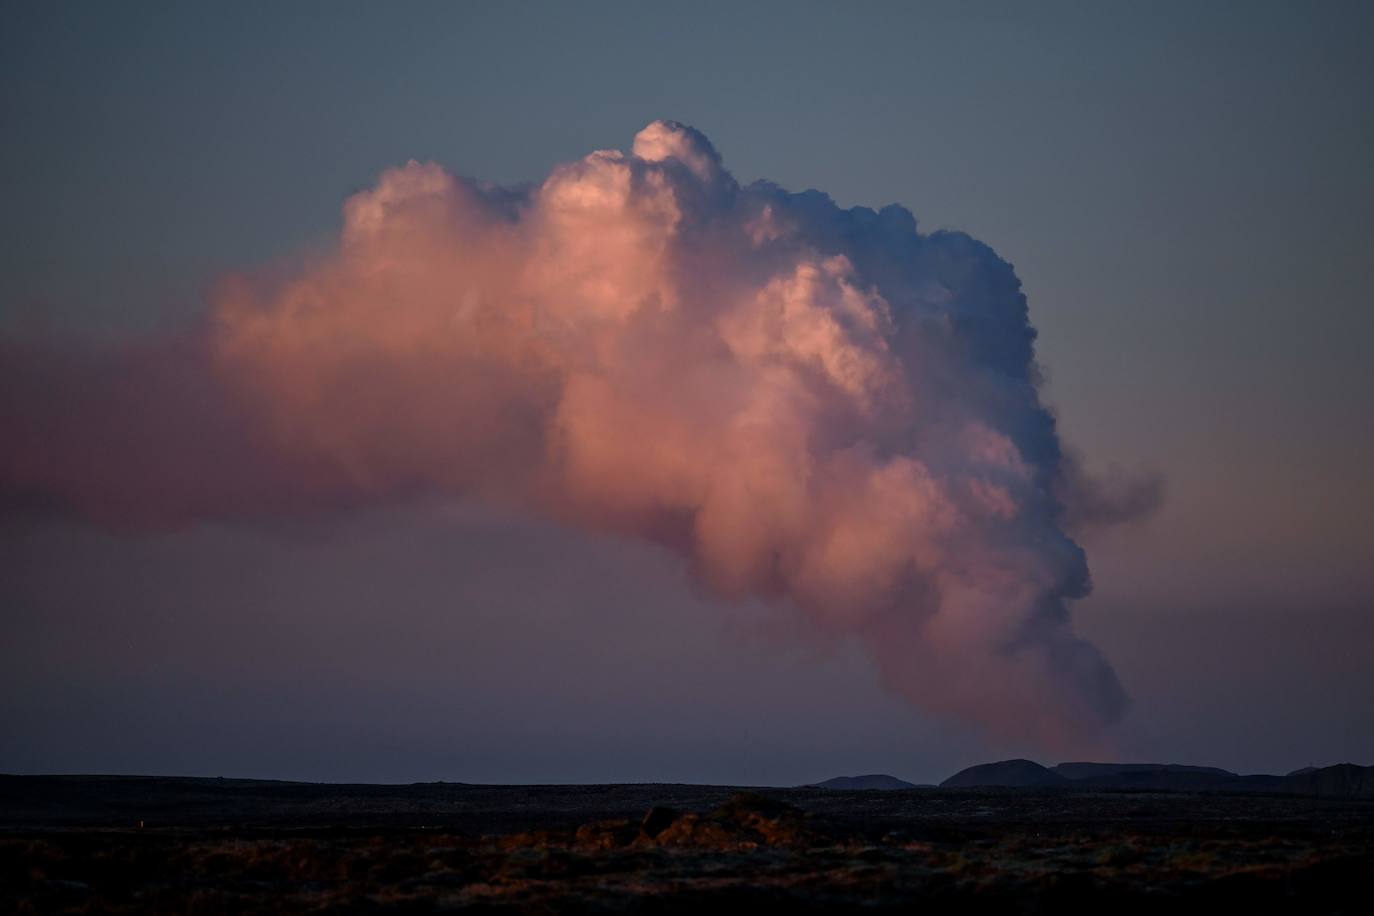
(73,845)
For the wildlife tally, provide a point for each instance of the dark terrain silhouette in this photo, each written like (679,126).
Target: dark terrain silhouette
(1007,773)
(1344,780)
(103,844)
(874,781)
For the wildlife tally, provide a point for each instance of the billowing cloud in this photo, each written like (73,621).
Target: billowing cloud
(815,405)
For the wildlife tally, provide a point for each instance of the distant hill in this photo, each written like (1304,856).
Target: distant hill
(1162,776)
(1345,780)
(1092,770)
(875,781)
(1013,773)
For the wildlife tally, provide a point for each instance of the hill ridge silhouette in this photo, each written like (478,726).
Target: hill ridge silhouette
(1342,780)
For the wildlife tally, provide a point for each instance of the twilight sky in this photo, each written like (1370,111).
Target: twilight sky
(1185,197)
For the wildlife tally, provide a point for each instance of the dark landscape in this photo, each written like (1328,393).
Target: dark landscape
(110,844)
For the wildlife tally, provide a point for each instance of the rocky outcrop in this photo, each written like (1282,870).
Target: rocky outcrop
(746,821)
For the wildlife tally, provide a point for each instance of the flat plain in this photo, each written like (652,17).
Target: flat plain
(93,844)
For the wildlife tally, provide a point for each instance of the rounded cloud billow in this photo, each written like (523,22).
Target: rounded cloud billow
(810,404)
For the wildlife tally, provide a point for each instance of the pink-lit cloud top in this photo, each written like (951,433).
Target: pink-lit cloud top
(813,405)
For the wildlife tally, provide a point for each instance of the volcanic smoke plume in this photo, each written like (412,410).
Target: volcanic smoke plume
(810,404)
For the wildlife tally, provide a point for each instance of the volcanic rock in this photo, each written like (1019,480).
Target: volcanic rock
(657,819)
(746,821)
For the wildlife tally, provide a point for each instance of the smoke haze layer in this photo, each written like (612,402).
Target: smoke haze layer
(810,404)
